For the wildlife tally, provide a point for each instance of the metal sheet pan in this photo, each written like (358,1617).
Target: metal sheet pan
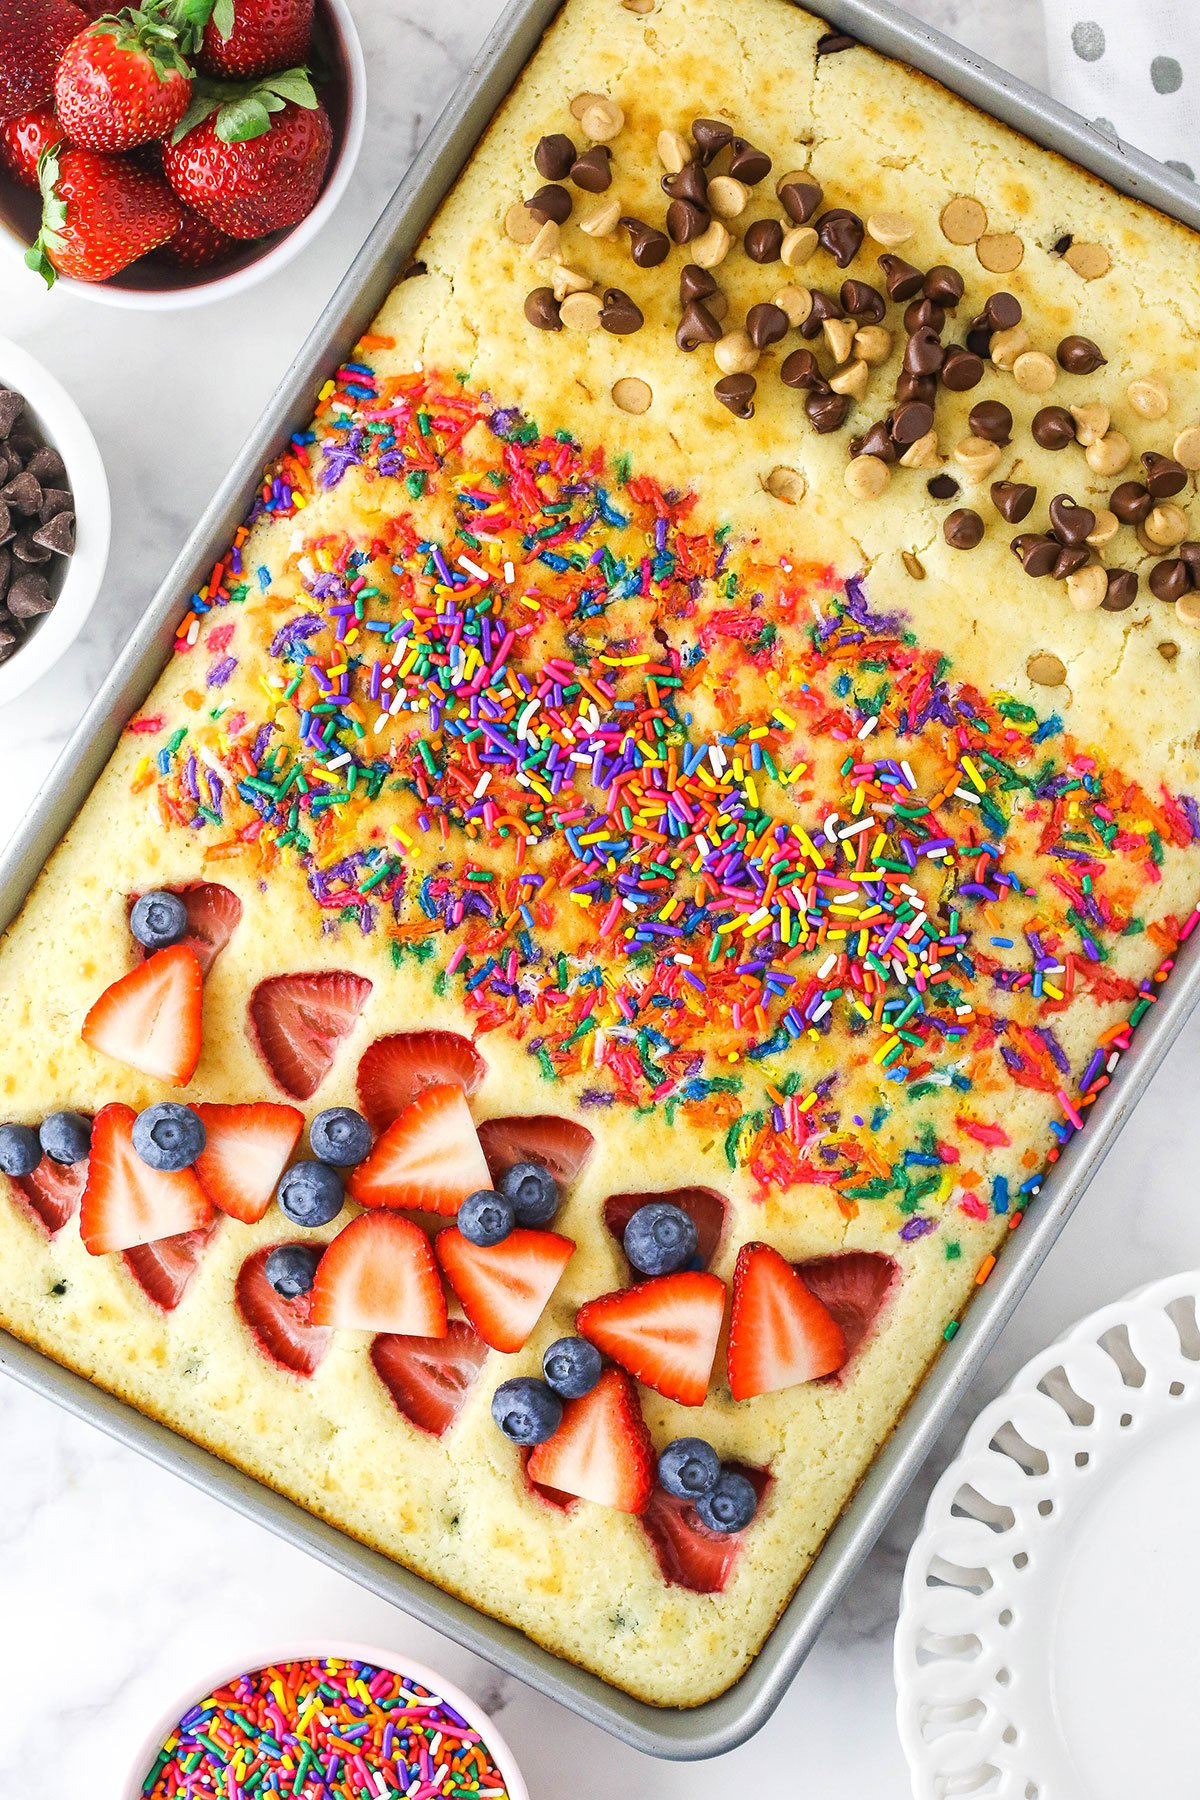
(720,1724)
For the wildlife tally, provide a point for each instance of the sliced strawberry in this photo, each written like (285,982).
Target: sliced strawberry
(504,1289)
(298,1022)
(282,1329)
(552,1496)
(779,1333)
(151,1018)
(664,1332)
(429,1378)
(602,1450)
(704,1207)
(689,1554)
(428,1159)
(163,1270)
(560,1145)
(213,911)
(125,1202)
(51,1194)
(379,1274)
(852,1287)
(394,1070)
(246,1151)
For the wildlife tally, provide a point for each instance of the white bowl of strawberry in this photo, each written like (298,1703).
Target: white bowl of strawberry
(176,151)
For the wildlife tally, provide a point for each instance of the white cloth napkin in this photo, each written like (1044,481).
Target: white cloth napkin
(1134,67)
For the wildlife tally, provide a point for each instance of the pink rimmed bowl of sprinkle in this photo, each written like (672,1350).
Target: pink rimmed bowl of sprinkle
(340,1723)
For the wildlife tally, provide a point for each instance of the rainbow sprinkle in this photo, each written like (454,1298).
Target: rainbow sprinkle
(324,1730)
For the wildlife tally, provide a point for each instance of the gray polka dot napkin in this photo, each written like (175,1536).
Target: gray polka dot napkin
(1134,69)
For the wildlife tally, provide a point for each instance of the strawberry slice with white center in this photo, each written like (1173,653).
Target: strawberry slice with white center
(703,1206)
(125,1202)
(379,1274)
(428,1160)
(602,1450)
(299,1022)
(688,1553)
(214,913)
(164,1270)
(282,1329)
(246,1151)
(504,1288)
(852,1286)
(394,1070)
(429,1378)
(779,1333)
(51,1193)
(559,1145)
(150,1019)
(664,1331)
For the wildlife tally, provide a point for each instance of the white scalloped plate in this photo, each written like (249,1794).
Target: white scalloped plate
(1048,1646)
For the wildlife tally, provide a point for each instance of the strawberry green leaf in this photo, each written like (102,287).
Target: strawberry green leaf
(243,109)
(294,85)
(222,18)
(54,218)
(242,120)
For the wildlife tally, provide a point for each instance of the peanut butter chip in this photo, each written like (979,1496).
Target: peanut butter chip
(786,484)
(889,228)
(798,245)
(565,280)
(632,394)
(603,221)
(1035,372)
(1166,525)
(1089,261)
(602,121)
(1046,670)
(796,302)
(976,457)
(923,454)
(581,312)
(1087,587)
(1104,530)
(964,220)
(727,196)
(1187,608)
(1007,345)
(873,343)
(711,247)
(734,354)
(674,151)
(581,102)
(1109,454)
(520,224)
(638,6)
(1149,397)
(1168,651)
(1091,422)
(839,335)
(866,477)
(1186,448)
(1000,252)
(913,564)
(546,244)
(852,379)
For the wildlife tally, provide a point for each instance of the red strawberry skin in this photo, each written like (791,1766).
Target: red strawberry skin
(852,1288)
(504,1289)
(704,1206)
(664,1331)
(689,1555)
(196,245)
(22,140)
(428,1159)
(602,1450)
(33,35)
(429,1378)
(282,1329)
(779,1332)
(126,1204)
(164,1270)
(114,213)
(214,911)
(111,95)
(267,35)
(560,1145)
(299,1021)
(51,1195)
(265,184)
(394,1070)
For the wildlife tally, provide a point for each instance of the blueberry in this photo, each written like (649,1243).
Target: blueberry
(527,1411)
(311,1193)
(731,1505)
(660,1238)
(533,1192)
(340,1136)
(572,1367)
(485,1218)
(20,1151)
(689,1468)
(168,1136)
(159,920)
(66,1137)
(291,1269)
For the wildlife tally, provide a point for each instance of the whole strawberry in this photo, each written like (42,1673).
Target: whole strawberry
(99,214)
(197,244)
(33,35)
(123,81)
(256,37)
(22,141)
(251,160)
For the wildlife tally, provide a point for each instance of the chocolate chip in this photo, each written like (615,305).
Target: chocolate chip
(1122,590)
(5,572)
(800,199)
(1189,556)
(945,285)
(697,326)
(554,156)
(862,301)
(688,183)
(551,203)
(746,163)
(763,241)
(916,387)
(10,636)
(963,528)
(900,278)
(766,324)
(923,353)
(992,420)
(941,487)
(1013,500)
(7,528)
(827,410)
(737,393)
(801,370)
(841,233)
(831,42)
(1132,502)
(23,494)
(541,309)
(1002,311)
(979,338)
(911,421)
(922,314)
(695,283)
(12,405)
(961,370)
(593,170)
(1079,355)
(1169,580)
(1164,476)
(620,314)
(47,465)
(29,597)
(824,306)
(26,549)
(876,441)
(1038,553)
(648,246)
(57,535)
(1071,524)
(1053,428)
(710,137)
(1070,558)
(686,221)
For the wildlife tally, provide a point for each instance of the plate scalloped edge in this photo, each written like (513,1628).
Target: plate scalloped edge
(976,1706)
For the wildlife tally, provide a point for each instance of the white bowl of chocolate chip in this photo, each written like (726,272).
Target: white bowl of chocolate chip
(54,520)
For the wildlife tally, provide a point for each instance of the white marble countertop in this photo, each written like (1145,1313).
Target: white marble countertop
(118,1583)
